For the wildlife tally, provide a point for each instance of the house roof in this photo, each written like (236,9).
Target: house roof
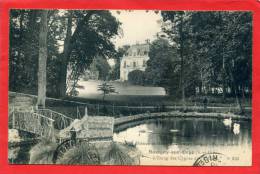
(138,50)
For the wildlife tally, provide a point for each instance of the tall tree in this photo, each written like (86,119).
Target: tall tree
(227,38)
(82,33)
(115,73)
(163,66)
(103,67)
(24,50)
(65,56)
(42,58)
(91,37)
(177,31)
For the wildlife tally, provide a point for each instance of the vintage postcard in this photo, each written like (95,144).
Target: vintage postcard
(130,87)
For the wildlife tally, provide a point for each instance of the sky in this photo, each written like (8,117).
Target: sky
(137,26)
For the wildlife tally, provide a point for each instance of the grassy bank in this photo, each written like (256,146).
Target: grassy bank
(119,106)
(150,100)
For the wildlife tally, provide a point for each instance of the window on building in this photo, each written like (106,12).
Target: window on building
(134,64)
(138,52)
(124,64)
(144,63)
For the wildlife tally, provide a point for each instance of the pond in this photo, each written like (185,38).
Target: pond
(178,141)
(181,141)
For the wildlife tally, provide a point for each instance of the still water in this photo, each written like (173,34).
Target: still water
(178,141)
(182,141)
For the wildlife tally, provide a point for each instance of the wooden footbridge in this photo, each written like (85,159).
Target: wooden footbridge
(41,122)
(24,116)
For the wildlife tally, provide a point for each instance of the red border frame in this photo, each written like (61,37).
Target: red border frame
(248,5)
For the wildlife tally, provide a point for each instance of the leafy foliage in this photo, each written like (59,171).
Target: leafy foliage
(115,73)
(75,38)
(116,155)
(91,38)
(163,65)
(106,89)
(103,68)
(136,77)
(84,153)
(212,49)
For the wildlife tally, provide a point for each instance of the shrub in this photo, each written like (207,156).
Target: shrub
(118,156)
(81,154)
(136,77)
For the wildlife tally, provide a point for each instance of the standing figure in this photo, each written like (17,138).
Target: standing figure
(86,111)
(205,103)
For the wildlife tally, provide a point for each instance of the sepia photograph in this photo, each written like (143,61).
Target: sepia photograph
(130,87)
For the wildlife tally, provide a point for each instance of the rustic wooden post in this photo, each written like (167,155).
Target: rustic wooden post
(51,132)
(73,134)
(78,113)
(113,109)
(112,125)
(86,111)
(34,126)
(13,119)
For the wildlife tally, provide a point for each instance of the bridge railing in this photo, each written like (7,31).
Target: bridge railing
(32,122)
(12,109)
(60,121)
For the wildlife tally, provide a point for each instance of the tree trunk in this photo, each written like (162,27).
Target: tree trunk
(69,40)
(221,54)
(224,92)
(182,65)
(239,103)
(31,54)
(65,59)
(223,80)
(201,85)
(16,69)
(243,93)
(236,91)
(103,99)
(42,59)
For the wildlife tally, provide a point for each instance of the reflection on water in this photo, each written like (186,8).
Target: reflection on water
(178,141)
(171,141)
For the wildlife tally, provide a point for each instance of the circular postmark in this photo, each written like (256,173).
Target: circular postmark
(211,159)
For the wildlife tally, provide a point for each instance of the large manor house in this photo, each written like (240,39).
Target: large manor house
(135,58)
